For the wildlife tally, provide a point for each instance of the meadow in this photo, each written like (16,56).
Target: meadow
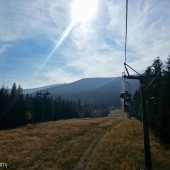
(110,143)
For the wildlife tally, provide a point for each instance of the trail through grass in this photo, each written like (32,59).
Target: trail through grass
(86,160)
(111,143)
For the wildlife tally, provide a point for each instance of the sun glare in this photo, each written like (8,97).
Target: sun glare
(83,10)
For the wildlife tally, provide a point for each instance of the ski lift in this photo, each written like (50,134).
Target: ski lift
(127,100)
(126,95)
(43,93)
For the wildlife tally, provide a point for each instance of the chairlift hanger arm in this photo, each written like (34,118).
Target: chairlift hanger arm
(125,64)
(127,70)
(133,77)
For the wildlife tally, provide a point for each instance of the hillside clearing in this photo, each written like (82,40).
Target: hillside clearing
(114,142)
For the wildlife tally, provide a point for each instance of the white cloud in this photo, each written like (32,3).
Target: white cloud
(148,35)
(60,75)
(93,49)
(4,48)
(83,36)
(26,19)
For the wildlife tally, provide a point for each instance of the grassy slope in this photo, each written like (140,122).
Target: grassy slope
(93,144)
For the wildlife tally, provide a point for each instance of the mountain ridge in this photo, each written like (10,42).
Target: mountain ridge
(98,92)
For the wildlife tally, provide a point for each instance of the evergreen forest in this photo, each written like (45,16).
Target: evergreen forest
(157,93)
(18,109)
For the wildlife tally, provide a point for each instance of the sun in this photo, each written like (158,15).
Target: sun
(83,10)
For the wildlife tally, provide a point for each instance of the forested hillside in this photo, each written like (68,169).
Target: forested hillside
(157,87)
(100,93)
(17,109)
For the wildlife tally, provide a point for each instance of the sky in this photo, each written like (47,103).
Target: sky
(44,42)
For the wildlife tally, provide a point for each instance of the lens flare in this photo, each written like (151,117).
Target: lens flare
(83,10)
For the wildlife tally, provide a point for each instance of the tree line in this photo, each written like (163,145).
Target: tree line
(157,89)
(17,109)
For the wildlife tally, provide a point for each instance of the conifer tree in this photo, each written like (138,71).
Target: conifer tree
(165,104)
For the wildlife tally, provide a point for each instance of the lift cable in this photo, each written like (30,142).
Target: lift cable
(126,28)
(126,94)
(123,74)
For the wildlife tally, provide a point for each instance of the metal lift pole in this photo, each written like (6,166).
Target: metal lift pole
(148,161)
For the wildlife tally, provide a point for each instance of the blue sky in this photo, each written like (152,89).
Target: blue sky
(40,45)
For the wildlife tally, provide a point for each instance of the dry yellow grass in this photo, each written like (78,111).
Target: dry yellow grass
(108,143)
(122,149)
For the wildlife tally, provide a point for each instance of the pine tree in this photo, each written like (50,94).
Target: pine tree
(137,105)
(165,104)
(4,101)
(153,85)
(14,92)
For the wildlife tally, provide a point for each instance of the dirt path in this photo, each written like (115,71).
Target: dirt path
(118,113)
(89,156)
(49,153)
(55,148)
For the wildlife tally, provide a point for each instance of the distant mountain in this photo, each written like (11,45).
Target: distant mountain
(98,92)
(33,90)
(83,85)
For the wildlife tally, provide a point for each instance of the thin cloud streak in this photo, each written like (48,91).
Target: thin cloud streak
(93,49)
(54,76)
(63,37)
